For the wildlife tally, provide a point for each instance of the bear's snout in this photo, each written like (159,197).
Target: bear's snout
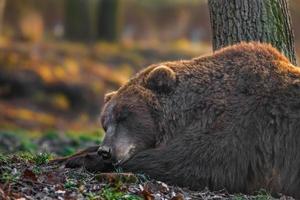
(104,152)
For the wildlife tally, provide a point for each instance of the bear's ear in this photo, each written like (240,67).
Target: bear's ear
(162,79)
(108,96)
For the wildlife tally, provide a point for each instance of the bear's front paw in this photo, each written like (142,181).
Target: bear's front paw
(70,161)
(90,161)
(94,163)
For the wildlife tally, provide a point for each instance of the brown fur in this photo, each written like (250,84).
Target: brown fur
(229,120)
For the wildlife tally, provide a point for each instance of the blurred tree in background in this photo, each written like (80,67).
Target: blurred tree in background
(25,18)
(88,20)
(147,21)
(80,19)
(2,6)
(32,20)
(109,20)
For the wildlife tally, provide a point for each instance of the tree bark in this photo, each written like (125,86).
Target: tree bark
(80,19)
(2,9)
(268,21)
(109,20)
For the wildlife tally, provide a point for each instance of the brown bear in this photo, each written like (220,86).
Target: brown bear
(228,120)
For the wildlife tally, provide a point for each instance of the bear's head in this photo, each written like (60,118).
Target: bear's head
(130,115)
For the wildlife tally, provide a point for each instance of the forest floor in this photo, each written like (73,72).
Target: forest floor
(25,173)
(50,98)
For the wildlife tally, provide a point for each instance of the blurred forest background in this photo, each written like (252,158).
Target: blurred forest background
(59,57)
(57,60)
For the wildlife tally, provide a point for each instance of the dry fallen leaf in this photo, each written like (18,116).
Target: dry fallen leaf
(178,197)
(29,175)
(115,177)
(147,195)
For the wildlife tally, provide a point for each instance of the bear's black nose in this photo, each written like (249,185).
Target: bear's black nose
(105,152)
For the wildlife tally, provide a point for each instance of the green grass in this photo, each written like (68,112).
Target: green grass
(109,193)
(37,170)
(27,141)
(36,158)
(27,145)
(71,184)
(3,159)
(24,156)
(92,136)
(41,158)
(260,195)
(9,176)
(67,151)
(263,195)
(51,135)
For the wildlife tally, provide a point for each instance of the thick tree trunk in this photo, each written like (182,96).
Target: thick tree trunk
(267,21)
(80,19)
(2,6)
(109,21)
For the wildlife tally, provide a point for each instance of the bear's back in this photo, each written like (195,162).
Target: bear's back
(258,67)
